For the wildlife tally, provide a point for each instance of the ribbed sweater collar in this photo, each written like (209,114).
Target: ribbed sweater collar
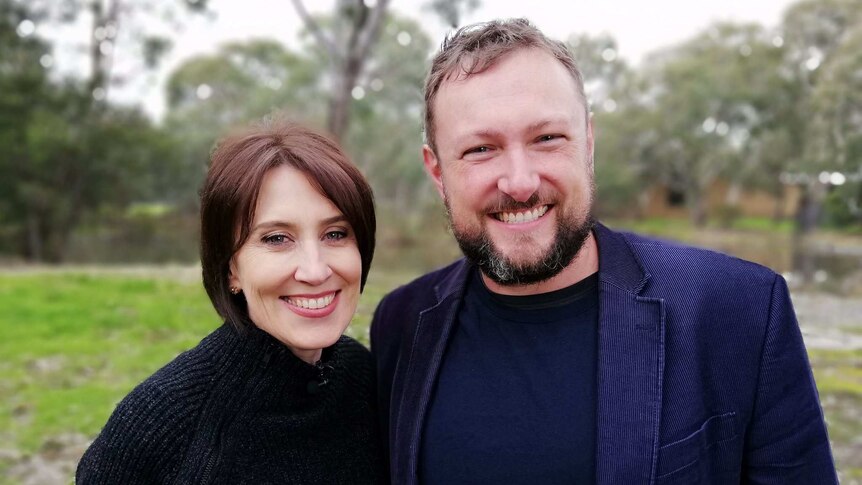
(253,345)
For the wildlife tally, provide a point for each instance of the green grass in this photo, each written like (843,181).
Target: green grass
(73,344)
(675,229)
(762,224)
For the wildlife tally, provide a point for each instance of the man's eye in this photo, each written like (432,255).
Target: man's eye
(548,137)
(481,149)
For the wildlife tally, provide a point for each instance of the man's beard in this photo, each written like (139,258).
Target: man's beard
(478,248)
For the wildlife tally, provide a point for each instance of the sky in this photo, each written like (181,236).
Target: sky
(639,27)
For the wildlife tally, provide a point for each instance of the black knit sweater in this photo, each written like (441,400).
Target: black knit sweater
(241,408)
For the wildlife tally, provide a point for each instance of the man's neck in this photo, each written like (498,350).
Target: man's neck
(586,262)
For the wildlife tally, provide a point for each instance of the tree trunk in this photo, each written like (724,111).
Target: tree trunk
(341,101)
(33,251)
(349,57)
(807,218)
(810,208)
(780,199)
(697,207)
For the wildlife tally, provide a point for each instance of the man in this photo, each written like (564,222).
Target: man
(559,351)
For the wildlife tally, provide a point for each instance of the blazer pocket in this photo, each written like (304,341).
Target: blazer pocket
(709,455)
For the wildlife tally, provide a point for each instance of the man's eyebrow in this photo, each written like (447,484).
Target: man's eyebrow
(538,125)
(485,133)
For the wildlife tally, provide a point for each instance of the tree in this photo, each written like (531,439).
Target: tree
(76,168)
(815,33)
(127,27)
(710,97)
(239,83)
(612,89)
(386,128)
(74,155)
(245,81)
(353,30)
(22,80)
(346,38)
(451,11)
(835,125)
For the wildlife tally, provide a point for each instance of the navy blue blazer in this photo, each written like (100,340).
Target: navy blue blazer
(702,373)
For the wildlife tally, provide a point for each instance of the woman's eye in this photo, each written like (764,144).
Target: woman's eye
(336,235)
(275,239)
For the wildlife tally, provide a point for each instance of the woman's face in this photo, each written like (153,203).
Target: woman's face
(300,267)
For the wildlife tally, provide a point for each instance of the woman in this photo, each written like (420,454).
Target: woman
(276,394)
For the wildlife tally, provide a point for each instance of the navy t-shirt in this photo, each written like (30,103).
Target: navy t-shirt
(515,400)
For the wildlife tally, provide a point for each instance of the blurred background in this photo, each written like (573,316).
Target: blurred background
(735,126)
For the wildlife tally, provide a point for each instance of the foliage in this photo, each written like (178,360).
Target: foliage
(757,108)
(347,45)
(22,79)
(74,167)
(385,130)
(822,43)
(72,154)
(451,11)
(710,92)
(126,38)
(244,82)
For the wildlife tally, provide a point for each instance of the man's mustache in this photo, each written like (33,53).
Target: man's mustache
(505,202)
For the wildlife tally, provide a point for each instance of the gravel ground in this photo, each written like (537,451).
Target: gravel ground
(828,321)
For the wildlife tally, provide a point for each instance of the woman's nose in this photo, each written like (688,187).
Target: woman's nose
(313,268)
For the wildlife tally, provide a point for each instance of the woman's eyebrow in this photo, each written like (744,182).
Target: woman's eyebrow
(278,224)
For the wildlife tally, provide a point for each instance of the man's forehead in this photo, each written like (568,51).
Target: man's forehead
(472,64)
(537,63)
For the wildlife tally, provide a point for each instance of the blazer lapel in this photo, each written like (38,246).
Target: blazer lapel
(419,374)
(630,367)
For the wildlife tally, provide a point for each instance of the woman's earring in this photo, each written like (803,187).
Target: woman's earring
(234,290)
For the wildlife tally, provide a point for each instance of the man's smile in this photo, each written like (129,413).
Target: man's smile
(521,216)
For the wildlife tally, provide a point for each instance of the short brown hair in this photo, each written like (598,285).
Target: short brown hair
(475,48)
(229,197)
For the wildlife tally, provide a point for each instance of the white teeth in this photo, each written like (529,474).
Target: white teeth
(311,303)
(521,217)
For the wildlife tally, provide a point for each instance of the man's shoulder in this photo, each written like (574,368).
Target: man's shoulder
(406,302)
(429,287)
(664,258)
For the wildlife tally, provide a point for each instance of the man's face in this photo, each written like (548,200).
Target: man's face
(514,166)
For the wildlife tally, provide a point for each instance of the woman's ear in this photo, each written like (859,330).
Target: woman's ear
(232,279)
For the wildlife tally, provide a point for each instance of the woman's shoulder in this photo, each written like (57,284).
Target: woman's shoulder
(352,351)
(182,377)
(142,440)
(348,342)
(148,431)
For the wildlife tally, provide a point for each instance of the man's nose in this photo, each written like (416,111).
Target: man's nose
(313,268)
(520,181)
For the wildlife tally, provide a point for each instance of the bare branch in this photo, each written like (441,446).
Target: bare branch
(316,31)
(370,32)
